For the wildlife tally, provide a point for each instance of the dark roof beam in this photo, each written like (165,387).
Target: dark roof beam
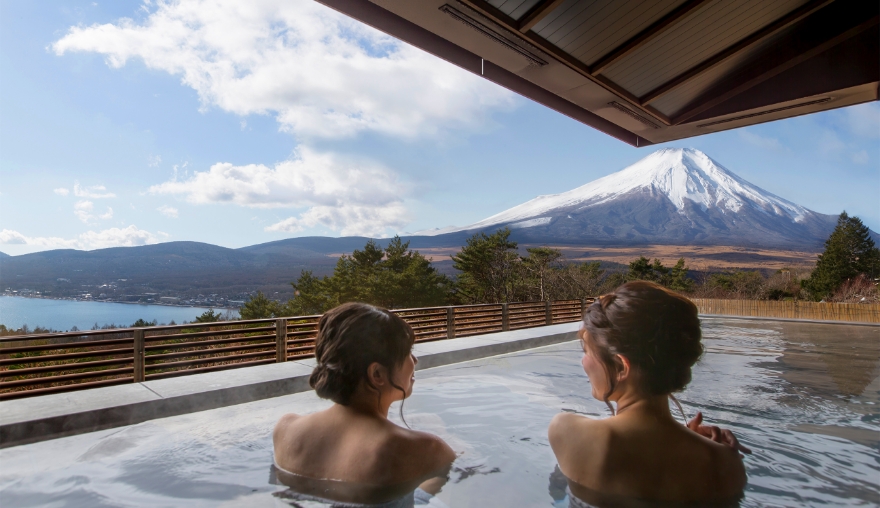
(499,17)
(795,49)
(771,29)
(537,13)
(646,35)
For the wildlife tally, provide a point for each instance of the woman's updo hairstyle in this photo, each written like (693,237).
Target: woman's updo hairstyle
(350,338)
(657,330)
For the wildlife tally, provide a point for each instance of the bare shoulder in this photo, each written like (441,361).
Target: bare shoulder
(422,453)
(565,426)
(284,422)
(579,444)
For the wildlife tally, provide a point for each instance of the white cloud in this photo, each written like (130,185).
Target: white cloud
(154,161)
(113,237)
(93,192)
(353,197)
(10,237)
(347,219)
(860,157)
(168,211)
(319,72)
(760,141)
(83,211)
(61,191)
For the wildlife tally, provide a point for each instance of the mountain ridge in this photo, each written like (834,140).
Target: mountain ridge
(672,196)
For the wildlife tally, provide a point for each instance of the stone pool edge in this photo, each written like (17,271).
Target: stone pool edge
(35,419)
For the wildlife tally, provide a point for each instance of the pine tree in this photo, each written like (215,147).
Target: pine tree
(849,251)
(489,266)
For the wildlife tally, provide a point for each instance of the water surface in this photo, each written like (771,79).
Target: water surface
(62,315)
(804,397)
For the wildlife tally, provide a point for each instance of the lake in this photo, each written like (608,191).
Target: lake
(65,314)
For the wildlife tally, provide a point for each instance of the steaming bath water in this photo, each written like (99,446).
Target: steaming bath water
(805,397)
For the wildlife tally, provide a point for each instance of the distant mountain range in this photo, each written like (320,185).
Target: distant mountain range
(671,197)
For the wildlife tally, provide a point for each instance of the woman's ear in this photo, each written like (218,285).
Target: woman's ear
(623,369)
(378,374)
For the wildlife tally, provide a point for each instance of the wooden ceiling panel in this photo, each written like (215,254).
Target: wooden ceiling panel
(514,8)
(652,71)
(708,31)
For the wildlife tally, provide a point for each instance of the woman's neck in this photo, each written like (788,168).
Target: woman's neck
(655,405)
(368,404)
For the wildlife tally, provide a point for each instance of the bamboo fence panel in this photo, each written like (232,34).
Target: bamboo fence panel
(855,312)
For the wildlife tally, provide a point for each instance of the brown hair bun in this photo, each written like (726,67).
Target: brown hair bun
(350,338)
(657,330)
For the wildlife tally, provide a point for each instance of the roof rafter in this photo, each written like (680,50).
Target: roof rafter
(712,62)
(537,13)
(647,35)
(780,60)
(502,19)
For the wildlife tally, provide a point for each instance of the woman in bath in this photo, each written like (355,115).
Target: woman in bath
(351,452)
(639,344)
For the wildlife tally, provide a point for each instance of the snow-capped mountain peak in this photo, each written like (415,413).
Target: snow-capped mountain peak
(685,176)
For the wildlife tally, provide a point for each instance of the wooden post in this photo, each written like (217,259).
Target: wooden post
(548,312)
(140,369)
(450,322)
(280,341)
(505,318)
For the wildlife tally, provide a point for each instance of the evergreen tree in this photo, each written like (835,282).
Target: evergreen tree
(849,251)
(209,316)
(260,307)
(677,278)
(539,270)
(394,277)
(489,269)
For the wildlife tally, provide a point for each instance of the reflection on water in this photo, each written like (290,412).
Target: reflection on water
(804,397)
(305,492)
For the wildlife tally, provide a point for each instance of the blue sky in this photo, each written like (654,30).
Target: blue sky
(236,123)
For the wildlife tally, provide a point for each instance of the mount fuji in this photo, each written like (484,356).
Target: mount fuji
(673,196)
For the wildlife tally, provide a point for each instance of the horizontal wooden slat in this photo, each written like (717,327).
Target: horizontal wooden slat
(65,377)
(63,388)
(186,372)
(202,361)
(180,345)
(69,345)
(59,367)
(211,333)
(65,356)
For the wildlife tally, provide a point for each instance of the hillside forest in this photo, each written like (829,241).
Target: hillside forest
(491,270)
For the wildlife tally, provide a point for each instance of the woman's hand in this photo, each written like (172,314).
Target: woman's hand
(716,434)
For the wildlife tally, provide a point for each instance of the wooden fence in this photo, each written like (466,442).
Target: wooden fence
(50,363)
(866,313)
(40,364)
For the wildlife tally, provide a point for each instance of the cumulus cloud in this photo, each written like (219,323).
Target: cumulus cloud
(93,192)
(347,219)
(168,211)
(114,237)
(83,211)
(319,72)
(61,191)
(350,196)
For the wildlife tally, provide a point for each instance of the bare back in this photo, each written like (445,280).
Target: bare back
(341,444)
(637,455)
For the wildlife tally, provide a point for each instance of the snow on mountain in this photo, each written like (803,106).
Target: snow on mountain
(672,195)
